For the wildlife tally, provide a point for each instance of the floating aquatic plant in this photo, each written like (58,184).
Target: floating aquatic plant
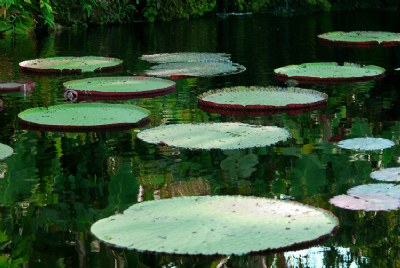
(5,151)
(366,144)
(221,225)
(329,72)
(185,57)
(84,116)
(17,85)
(260,99)
(195,69)
(122,87)
(62,65)
(387,174)
(214,135)
(370,197)
(365,39)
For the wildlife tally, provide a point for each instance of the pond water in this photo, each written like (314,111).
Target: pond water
(57,184)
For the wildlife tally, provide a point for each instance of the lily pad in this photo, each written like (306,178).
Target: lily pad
(195,69)
(387,174)
(185,57)
(122,87)
(363,39)
(223,136)
(65,65)
(216,225)
(5,151)
(370,197)
(329,72)
(366,144)
(17,85)
(260,99)
(84,116)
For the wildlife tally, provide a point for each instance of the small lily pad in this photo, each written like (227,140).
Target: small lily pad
(84,116)
(387,174)
(362,39)
(195,69)
(370,197)
(65,65)
(366,144)
(216,225)
(214,135)
(185,57)
(261,99)
(329,72)
(5,151)
(17,85)
(122,87)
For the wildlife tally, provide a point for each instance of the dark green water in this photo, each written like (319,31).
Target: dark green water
(58,184)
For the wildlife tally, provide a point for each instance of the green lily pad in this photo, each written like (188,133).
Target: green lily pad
(195,69)
(185,57)
(263,99)
(364,39)
(387,174)
(122,87)
(223,136)
(62,65)
(216,225)
(5,151)
(18,85)
(328,72)
(84,116)
(366,144)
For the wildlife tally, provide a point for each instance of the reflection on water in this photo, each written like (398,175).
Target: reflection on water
(57,184)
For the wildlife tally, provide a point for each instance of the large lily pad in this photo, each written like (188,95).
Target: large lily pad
(122,87)
(222,225)
(62,65)
(214,135)
(329,72)
(5,151)
(195,69)
(260,99)
(365,39)
(185,57)
(370,197)
(17,85)
(387,174)
(84,116)
(366,144)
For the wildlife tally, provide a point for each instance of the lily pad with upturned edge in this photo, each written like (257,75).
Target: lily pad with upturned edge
(216,225)
(366,144)
(17,85)
(223,136)
(362,39)
(65,65)
(258,99)
(185,57)
(5,151)
(387,174)
(329,72)
(84,116)
(121,87)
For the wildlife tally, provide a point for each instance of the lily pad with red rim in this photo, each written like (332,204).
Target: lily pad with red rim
(185,57)
(370,197)
(207,136)
(67,65)
(84,117)
(260,100)
(5,151)
(195,69)
(16,85)
(361,39)
(329,72)
(366,144)
(387,174)
(122,87)
(216,225)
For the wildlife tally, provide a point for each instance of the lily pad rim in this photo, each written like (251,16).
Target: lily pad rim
(30,83)
(148,57)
